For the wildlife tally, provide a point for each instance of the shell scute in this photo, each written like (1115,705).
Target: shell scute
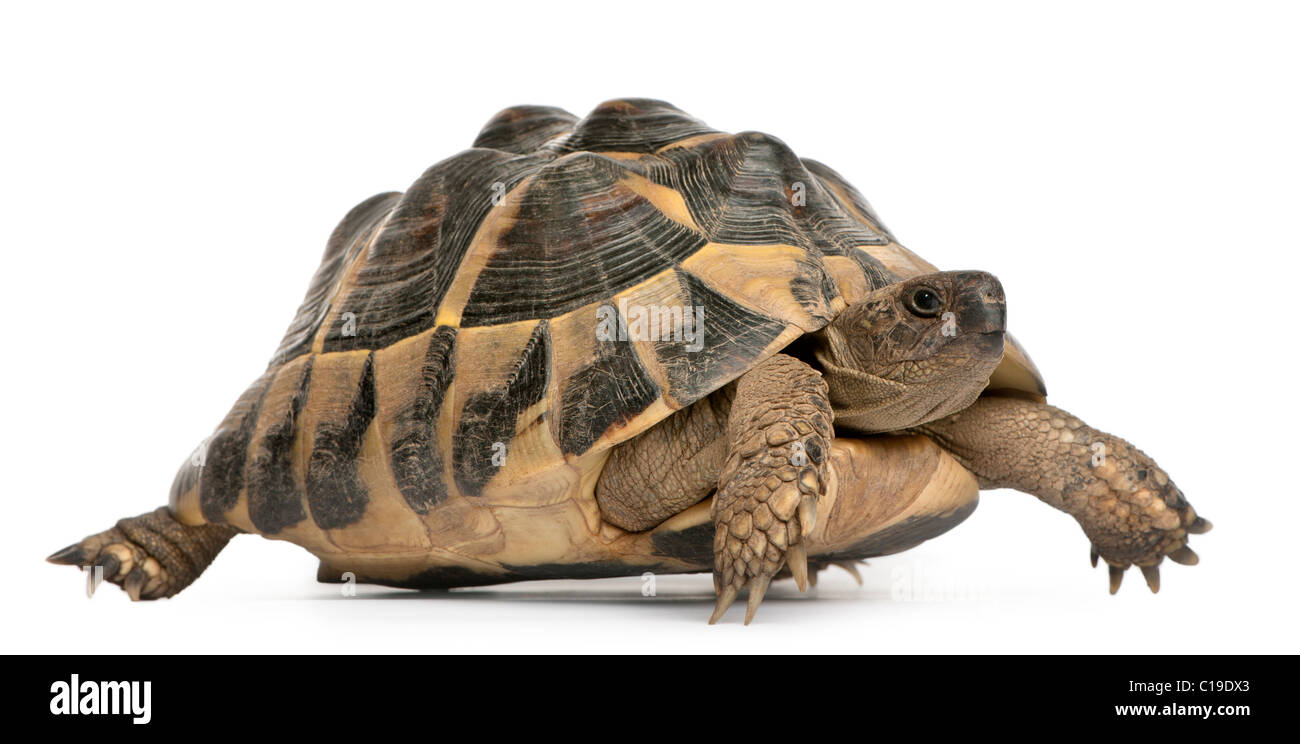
(523,129)
(489,419)
(399,281)
(640,125)
(729,338)
(344,243)
(581,234)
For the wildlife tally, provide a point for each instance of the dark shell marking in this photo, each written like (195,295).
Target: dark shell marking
(416,460)
(526,235)
(723,355)
(590,405)
(489,419)
(221,474)
(335,492)
(274,501)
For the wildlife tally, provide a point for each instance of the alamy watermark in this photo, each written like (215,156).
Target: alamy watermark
(916,581)
(89,698)
(678,323)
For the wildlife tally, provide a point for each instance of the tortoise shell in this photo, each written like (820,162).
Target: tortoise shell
(447,364)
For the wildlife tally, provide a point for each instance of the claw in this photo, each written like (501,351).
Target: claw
(1152,575)
(852,568)
(1093,556)
(72,555)
(725,599)
(1200,526)
(110,564)
(134,583)
(757,588)
(93,577)
(1116,578)
(797,559)
(1185,556)
(807,514)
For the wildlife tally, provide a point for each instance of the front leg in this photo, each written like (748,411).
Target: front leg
(778,434)
(1127,505)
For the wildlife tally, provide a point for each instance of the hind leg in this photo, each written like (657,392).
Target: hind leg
(150,556)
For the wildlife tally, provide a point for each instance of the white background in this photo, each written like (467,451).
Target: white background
(170,175)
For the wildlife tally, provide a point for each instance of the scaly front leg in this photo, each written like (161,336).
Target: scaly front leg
(778,436)
(1127,505)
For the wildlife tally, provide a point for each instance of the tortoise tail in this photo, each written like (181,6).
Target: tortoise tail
(150,556)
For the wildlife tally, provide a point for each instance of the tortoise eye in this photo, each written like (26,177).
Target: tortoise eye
(924,302)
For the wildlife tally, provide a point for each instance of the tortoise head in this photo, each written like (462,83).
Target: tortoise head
(914,351)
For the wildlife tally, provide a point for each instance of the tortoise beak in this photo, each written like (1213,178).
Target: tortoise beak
(980,305)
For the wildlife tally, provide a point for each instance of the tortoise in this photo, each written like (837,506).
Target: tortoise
(631,343)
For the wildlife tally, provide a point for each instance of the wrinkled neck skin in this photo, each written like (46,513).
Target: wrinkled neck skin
(874,396)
